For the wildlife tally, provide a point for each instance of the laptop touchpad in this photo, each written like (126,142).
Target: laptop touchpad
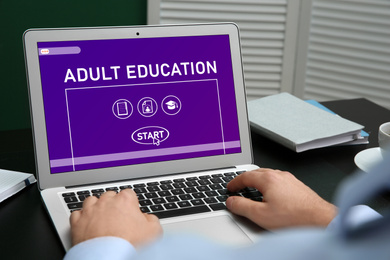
(221,229)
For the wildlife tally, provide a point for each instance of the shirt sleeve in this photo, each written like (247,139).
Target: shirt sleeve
(102,248)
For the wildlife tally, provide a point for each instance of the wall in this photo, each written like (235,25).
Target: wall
(20,15)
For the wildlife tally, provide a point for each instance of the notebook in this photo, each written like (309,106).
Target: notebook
(116,107)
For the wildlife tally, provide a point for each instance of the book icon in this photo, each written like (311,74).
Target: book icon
(122,108)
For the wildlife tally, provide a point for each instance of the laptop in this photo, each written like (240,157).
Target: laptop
(159,109)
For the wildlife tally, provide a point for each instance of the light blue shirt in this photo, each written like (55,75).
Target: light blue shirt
(358,232)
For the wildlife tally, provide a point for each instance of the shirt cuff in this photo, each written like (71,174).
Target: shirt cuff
(102,248)
(358,215)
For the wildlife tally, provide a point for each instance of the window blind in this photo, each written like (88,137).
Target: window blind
(348,53)
(268,67)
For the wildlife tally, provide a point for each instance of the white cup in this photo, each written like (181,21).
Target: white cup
(384,138)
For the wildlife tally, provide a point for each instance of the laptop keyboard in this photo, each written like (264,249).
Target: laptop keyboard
(176,197)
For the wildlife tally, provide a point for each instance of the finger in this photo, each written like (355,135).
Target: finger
(246,179)
(74,217)
(108,194)
(245,207)
(258,179)
(129,196)
(151,217)
(88,202)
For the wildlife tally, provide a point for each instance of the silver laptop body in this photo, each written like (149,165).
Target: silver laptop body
(136,106)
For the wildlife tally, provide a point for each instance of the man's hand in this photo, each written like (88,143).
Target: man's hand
(286,201)
(114,215)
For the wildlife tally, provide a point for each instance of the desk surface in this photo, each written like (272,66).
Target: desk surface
(26,229)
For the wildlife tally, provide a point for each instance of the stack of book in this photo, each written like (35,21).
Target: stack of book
(302,125)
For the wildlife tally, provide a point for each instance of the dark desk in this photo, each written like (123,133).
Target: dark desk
(26,231)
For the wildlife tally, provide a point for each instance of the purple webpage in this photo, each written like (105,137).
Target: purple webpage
(131,101)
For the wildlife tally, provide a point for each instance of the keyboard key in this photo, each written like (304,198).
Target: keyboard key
(97,195)
(183,204)
(125,187)
(217,206)
(227,178)
(197,202)
(179,180)
(172,199)
(164,193)
(166,182)
(140,185)
(170,205)
(166,187)
(177,191)
(192,178)
(186,197)
(216,180)
(203,188)
(97,191)
(70,199)
(151,195)
(210,200)
(211,193)
(182,211)
(140,190)
(222,198)
(153,188)
(190,190)
(204,182)
(216,175)
(229,174)
(84,192)
(179,185)
(215,186)
(145,202)
(77,205)
(205,177)
(223,191)
(155,183)
(156,207)
(83,197)
(68,194)
(159,200)
(198,195)
(192,183)
(112,189)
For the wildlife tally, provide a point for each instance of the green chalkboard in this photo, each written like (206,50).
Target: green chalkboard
(18,16)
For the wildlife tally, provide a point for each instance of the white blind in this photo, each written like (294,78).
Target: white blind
(268,67)
(349,51)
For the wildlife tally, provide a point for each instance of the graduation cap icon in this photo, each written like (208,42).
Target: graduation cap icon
(171,105)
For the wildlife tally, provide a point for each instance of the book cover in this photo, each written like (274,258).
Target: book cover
(299,125)
(12,182)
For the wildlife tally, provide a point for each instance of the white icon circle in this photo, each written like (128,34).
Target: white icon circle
(147,107)
(171,105)
(122,109)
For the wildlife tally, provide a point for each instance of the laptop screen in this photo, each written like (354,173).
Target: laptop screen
(122,102)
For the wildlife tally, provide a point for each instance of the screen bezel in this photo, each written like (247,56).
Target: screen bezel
(48,180)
